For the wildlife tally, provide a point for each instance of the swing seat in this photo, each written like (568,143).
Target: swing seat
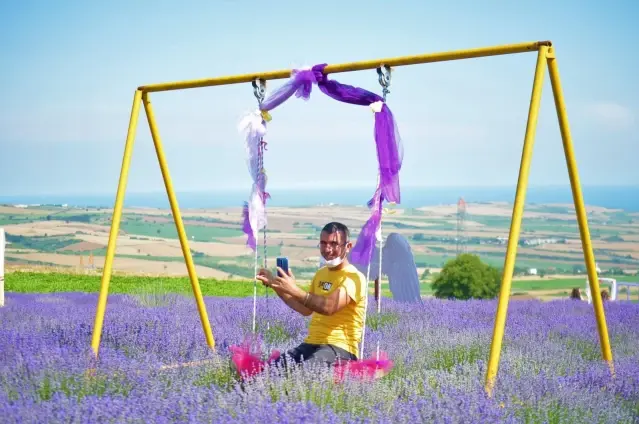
(365,369)
(249,363)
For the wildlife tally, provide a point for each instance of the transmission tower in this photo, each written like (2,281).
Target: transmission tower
(461,226)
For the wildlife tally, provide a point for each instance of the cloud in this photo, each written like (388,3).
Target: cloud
(611,115)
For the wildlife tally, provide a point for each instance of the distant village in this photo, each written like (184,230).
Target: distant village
(527,241)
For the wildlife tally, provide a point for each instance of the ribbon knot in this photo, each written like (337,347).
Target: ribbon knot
(304,78)
(318,72)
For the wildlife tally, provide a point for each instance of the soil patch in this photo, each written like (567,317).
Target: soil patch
(82,246)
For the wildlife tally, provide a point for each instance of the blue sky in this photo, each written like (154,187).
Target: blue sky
(69,70)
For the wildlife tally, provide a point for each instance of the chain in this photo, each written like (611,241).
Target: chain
(263,175)
(259,90)
(384,78)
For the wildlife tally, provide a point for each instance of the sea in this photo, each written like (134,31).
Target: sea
(613,197)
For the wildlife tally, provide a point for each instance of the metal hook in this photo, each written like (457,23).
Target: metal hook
(259,90)
(384,78)
(384,75)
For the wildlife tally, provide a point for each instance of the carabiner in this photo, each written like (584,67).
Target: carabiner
(384,78)
(259,89)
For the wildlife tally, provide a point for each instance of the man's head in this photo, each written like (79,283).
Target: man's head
(335,244)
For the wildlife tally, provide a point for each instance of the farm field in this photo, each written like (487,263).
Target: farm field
(550,368)
(73,238)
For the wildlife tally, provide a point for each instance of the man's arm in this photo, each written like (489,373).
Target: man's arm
(294,304)
(289,300)
(325,305)
(308,301)
(328,305)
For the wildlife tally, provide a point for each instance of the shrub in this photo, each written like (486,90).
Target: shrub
(467,277)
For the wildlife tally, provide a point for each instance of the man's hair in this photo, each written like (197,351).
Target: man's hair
(333,227)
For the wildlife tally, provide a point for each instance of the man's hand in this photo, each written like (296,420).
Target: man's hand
(285,287)
(284,283)
(265,276)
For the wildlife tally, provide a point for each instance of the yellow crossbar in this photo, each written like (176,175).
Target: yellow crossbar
(354,66)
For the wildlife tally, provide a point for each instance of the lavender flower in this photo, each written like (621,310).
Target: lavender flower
(550,368)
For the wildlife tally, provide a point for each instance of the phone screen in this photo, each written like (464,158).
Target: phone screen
(282,262)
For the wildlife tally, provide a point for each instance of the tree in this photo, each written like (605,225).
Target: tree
(467,277)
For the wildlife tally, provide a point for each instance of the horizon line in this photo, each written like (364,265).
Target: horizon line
(317,188)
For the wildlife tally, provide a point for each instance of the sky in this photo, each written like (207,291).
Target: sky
(70,68)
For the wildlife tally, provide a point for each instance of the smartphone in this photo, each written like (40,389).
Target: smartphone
(282,262)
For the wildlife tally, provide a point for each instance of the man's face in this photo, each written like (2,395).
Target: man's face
(333,245)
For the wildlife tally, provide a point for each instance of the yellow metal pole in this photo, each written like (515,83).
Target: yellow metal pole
(515,224)
(186,251)
(355,66)
(580,208)
(115,223)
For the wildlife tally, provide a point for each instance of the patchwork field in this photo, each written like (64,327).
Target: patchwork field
(550,366)
(72,239)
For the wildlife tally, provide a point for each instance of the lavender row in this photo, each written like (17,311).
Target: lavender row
(550,368)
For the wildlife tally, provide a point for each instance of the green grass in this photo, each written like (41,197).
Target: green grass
(41,243)
(495,259)
(523,262)
(548,284)
(81,386)
(35,282)
(520,286)
(30,262)
(168,230)
(555,284)
(6,219)
(376,322)
(432,260)
(448,358)
(621,218)
(238,266)
(425,288)
(490,221)
(154,290)
(550,209)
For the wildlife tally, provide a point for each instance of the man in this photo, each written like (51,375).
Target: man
(322,263)
(335,302)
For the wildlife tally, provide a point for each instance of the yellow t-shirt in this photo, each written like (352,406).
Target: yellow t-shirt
(343,329)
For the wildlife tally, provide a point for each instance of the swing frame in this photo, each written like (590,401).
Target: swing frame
(546,56)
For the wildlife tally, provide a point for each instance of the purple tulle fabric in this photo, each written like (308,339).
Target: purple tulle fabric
(363,250)
(390,155)
(254,211)
(300,84)
(387,140)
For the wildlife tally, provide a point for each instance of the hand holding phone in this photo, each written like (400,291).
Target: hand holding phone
(282,262)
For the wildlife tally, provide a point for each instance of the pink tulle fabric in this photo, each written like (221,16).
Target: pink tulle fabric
(366,369)
(248,361)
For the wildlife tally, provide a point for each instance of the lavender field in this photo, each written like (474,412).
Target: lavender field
(550,371)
